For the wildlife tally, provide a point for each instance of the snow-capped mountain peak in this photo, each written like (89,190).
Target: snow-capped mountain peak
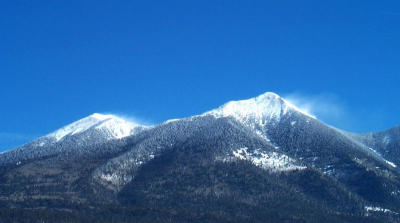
(75,138)
(266,107)
(115,126)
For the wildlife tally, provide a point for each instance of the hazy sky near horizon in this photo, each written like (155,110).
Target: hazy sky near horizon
(156,60)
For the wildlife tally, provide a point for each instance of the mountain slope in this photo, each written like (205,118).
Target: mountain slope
(113,127)
(291,129)
(305,138)
(183,170)
(385,143)
(254,160)
(94,129)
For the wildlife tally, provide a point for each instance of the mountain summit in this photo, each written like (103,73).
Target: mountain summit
(259,112)
(114,127)
(268,106)
(78,136)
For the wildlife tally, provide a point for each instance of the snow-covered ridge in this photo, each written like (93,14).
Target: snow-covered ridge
(115,126)
(79,135)
(266,106)
(257,112)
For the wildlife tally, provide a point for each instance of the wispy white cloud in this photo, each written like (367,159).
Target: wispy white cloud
(326,107)
(132,118)
(336,111)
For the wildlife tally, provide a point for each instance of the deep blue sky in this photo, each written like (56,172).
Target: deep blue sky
(155,60)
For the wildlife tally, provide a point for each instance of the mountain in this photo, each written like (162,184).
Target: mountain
(385,143)
(110,126)
(75,138)
(255,160)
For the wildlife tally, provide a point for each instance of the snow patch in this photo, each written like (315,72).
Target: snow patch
(271,161)
(373,150)
(386,140)
(395,193)
(379,209)
(117,172)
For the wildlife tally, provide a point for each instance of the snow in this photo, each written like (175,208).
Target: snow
(76,127)
(379,209)
(395,192)
(101,117)
(117,172)
(171,120)
(111,177)
(373,150)
(385,160)
(271,161)
(390,163)
(358,139)
(116,126)
(386,140)
(257,112)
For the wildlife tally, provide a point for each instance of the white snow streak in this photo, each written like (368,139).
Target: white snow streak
(390,163)
(271,161)
(386,161)
(379,209)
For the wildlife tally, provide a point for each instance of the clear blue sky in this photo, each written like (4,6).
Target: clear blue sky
(155,60)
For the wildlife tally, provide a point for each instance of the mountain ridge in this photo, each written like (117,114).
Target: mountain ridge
(261,157)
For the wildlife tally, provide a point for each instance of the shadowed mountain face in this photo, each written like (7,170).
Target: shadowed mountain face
(386,143)
(256,160)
